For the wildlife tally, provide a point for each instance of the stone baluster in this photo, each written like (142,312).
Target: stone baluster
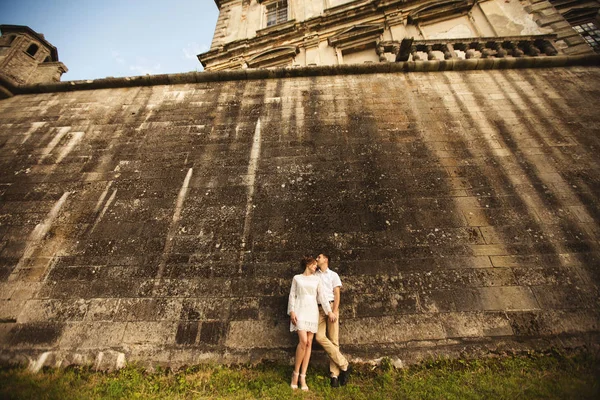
(530,49)
(448,51)
(415,53)
(381,52)
(396,50)
(500,52)
(546,47)
(486,51)
(499,47)
(514,49)
(470,52)
(430,53)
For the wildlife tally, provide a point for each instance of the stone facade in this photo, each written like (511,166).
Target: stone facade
(27,58)
(451,172)
(292,33)
(163,223)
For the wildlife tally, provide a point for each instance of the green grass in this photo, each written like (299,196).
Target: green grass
(529,376)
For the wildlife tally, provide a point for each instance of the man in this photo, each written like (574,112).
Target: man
(328,333)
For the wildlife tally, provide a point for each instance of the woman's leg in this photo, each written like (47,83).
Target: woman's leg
(300,354)
(307,351)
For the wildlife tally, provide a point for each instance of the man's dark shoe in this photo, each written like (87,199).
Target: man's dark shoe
(345,375)
(335,382)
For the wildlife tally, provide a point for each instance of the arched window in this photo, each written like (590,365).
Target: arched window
(32,49)
(47,59)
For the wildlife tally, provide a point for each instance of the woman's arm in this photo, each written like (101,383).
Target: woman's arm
(292,302)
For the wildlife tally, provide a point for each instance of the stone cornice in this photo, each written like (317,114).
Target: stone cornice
(62,67)
(325,70)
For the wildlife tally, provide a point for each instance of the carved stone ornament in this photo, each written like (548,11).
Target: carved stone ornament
(356,36)
(435,10)
(279,56)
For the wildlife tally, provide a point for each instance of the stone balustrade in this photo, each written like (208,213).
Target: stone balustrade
(467,48)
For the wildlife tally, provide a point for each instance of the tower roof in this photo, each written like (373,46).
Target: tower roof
(25,29)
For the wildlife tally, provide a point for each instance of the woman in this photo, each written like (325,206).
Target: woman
(304,313)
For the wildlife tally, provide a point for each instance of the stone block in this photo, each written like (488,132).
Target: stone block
(450,300)
(52,311)
(548,276)
(155,333)
(260,334)
(391,304)
(400,329)
(268,307)
(477,261)
(102,309)
(489,250)
(6,328)
(144,309)
(553,322)
(561,297)
(187,333)
(475,324)
(35,334)
(508,298)
(10,309)
(205,308)
(92,335)
(213,332)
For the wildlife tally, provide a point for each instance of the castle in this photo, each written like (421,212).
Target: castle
(444,152)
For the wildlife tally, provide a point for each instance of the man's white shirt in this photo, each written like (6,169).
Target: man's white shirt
(329,280)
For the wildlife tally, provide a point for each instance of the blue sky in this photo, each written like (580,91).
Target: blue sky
(100,38)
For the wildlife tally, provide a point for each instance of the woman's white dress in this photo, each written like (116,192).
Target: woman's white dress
(305,291)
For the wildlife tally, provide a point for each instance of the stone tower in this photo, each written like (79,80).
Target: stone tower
(27,58)
(296,33)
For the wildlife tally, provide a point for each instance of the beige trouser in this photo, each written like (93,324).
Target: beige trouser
(328,337)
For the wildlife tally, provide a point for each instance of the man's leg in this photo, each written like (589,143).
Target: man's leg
(337,360)
(321,338)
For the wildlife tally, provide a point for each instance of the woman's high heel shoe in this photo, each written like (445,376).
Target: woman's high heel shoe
(294,375)
(303,382)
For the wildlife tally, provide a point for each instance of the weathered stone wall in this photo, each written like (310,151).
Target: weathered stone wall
(163,224)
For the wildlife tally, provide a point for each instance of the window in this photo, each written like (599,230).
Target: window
(277,12)
(32,49)
(591,34)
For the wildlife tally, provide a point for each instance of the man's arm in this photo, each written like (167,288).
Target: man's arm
(336,300)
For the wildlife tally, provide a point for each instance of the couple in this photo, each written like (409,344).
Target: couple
(313,307)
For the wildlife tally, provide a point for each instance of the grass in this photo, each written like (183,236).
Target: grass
(529,376)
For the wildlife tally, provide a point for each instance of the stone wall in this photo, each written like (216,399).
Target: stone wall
(163,224)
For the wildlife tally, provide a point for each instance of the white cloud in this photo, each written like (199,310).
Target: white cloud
(144,69)
(193,49)
(117,57)
(142,66)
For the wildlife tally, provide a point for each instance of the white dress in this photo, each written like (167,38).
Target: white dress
(303,301)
